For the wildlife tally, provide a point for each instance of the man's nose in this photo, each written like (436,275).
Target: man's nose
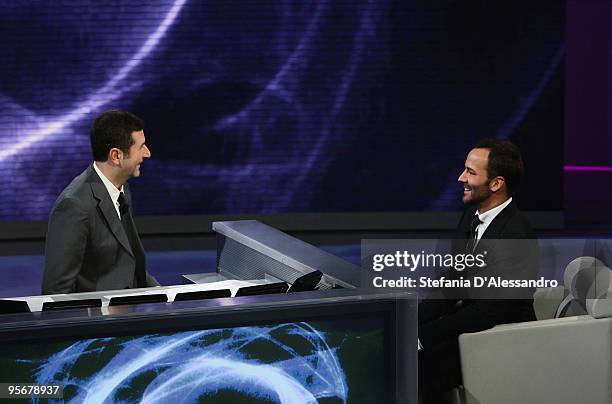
(147,152)
(462,177)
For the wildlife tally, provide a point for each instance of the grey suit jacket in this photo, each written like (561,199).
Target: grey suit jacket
(86,247)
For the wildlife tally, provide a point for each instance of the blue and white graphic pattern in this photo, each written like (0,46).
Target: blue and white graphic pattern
(287,363)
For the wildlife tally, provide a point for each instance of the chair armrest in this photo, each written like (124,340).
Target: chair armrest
(566,360)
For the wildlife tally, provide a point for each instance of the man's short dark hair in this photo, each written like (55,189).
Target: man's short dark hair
(504,160)
(113,129)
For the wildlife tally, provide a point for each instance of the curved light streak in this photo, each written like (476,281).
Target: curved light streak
(105,94)
(297,58)
(209,375)
(508,127)
(102,386)
(197,364)
(366,28)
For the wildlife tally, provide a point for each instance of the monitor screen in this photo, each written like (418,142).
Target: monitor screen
(300,362)
(273,348)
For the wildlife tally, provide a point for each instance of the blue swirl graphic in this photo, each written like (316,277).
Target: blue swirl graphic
(286,363)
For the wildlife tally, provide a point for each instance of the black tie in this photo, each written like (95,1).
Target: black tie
(471,243)
(124,207)
(130,231)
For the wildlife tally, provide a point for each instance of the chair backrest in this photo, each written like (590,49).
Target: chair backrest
(546,301)
(600,307)
(584,278)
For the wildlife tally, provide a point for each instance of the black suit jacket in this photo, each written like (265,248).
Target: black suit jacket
(86,247)
(442,321)
(509,224)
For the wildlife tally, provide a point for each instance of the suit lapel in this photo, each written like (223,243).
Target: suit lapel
(137,249)
(494,230)
(132,223)
(108,210)
(465,223)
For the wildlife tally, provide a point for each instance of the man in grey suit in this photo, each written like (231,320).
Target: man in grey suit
(92,242)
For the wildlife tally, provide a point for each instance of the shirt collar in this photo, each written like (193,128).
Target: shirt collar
(488,216)
(110,187)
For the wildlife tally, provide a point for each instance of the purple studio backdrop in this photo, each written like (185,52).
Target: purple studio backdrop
(281,106)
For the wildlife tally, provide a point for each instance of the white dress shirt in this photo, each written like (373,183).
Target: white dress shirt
(487,217)
(112,190)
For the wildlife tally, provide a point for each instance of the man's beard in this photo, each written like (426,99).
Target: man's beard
(478,194)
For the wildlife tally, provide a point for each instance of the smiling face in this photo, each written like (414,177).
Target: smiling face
(476,184)
(139,151)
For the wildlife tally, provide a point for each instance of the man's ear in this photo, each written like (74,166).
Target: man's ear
(114,156)
(497,183)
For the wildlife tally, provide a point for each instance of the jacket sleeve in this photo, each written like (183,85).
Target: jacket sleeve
(65,246)
(151,281)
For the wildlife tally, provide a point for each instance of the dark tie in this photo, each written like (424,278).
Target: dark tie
(130,230)
(471,243)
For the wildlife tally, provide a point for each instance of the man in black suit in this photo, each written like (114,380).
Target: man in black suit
(491,175)
(92,242)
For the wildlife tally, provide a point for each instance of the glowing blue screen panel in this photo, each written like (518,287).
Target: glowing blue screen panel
(302,362)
